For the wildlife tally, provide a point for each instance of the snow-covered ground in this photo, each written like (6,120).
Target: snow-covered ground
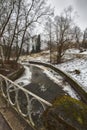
(79,64)
(25,78)
(76,51)
(76,65)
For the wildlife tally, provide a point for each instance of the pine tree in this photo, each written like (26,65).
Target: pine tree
(38,44)
(33,50)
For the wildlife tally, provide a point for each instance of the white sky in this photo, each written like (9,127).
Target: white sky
(79,6)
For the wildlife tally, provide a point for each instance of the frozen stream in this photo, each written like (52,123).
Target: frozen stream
(45,83)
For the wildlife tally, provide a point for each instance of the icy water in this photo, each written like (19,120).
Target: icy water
(43,86)
(45,83)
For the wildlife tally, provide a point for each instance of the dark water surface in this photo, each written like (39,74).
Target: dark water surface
(43,86)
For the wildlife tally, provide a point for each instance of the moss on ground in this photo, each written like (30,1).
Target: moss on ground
(66,114)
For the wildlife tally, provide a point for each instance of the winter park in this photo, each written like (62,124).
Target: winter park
(43,65)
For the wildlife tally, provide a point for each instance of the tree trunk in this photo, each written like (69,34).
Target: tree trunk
(59,54)
(21,45)
(9,51)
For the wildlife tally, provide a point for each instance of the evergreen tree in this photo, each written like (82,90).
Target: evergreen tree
(38,44)
(33,50)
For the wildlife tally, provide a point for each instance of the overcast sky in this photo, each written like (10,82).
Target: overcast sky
(79,6)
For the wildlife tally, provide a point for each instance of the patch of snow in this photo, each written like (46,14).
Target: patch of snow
(25,78)
(70,91)
(73,51)
(85,52)
(59,80)
(76,64)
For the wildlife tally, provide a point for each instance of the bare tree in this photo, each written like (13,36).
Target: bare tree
(2,56)
(16,19)
(49,34)
(77,36)
(15,27)
(32,14)
(63,31)
(6,10)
